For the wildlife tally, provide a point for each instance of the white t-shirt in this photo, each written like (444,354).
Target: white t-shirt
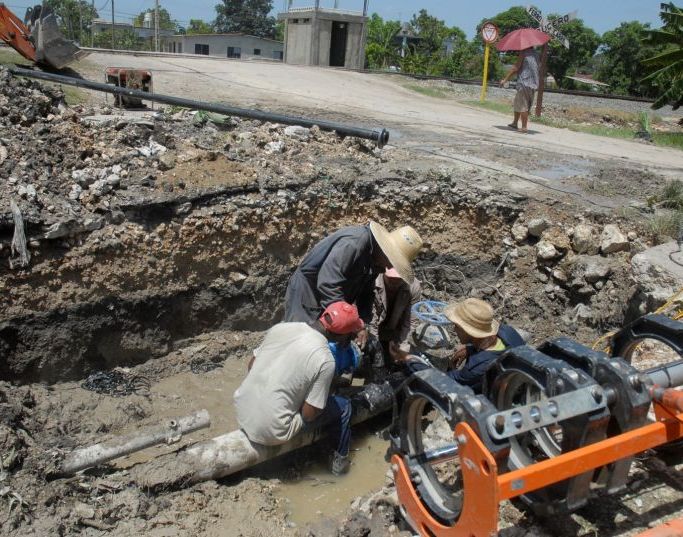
(292,365)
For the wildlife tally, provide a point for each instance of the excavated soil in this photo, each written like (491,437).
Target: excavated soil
(160,249)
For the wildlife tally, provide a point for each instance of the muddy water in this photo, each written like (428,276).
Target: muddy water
(317,493)
(184,393)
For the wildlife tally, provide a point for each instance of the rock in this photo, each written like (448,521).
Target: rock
(520,233)
(113,180)
(559,275)
(583,313)
(93,223)
(656,275)
(557,238)
(546,251)
(595,268)
(298,132)
(100,187)
(584,240)
(152,149)
(83,510)
(75,192)
(167,161)
(537,226)
(588,269)
(631,236)
(275,147)
(612,240)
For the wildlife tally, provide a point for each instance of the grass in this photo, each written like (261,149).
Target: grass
(673,139)
(667,223)
(439,93)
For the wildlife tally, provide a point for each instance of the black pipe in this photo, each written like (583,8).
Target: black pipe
(380,137)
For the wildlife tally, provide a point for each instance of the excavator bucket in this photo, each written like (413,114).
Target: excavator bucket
(52,48)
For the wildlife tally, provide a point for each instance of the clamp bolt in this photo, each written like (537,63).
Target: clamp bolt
(499,423)
(596,392)
(462,439)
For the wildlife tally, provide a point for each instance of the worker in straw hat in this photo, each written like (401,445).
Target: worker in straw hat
(483,339)
(344,266)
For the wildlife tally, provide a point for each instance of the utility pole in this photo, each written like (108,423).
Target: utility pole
(92,21)
(113,31)
(156,25)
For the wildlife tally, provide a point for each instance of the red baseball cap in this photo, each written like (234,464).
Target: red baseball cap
(341,318)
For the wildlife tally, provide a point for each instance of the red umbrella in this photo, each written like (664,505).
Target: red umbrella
(522,39)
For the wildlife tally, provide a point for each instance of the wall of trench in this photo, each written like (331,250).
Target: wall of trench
(123,294)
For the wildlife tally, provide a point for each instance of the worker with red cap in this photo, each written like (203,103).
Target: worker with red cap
(288,385)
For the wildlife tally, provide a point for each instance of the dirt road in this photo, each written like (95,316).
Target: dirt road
(416,121)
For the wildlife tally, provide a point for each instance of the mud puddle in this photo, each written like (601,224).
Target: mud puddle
(317,493)
(184,393)
(561,171)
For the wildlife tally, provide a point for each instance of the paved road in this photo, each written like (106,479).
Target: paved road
(437,126)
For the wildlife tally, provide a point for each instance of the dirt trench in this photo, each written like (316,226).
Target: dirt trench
(130,291)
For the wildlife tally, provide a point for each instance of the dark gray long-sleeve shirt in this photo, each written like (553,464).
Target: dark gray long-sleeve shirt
(338,268)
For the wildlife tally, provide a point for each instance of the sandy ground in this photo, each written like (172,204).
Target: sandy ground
(415,121)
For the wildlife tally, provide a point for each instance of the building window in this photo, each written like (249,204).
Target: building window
(295,21)
(201,49)
(234,52)
(257,52)
(278,55)
(306,21)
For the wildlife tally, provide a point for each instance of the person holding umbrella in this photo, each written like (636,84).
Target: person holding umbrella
(527,70)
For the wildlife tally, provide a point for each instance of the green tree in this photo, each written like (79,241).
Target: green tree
(246,16)
(381,49)
(620,60)
(75,18)
(512,19)
(429,55)
(124,40)
(165,21)
(668,74)
(198,26)
(583,43)
(279,31)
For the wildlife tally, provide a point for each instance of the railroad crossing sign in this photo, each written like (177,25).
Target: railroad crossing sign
(551,27)
(489,32)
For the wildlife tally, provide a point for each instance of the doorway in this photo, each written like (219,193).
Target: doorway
(338,44)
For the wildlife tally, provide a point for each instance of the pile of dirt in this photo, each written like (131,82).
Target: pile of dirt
(73,170)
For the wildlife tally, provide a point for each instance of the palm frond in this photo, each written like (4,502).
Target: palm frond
(663,37)
(665,58)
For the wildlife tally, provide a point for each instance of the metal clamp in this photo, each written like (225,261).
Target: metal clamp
(522,419)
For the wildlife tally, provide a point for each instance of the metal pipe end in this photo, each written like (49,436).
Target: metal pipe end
(382,138)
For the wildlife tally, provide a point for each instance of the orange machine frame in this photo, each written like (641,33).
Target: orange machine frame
(16,34)
(485,488)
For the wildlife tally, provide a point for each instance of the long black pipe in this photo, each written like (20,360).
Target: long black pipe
(380,137)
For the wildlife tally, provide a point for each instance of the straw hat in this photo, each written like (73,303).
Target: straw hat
(474,316)
(401,247)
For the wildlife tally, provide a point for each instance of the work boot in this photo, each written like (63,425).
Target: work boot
(339,464)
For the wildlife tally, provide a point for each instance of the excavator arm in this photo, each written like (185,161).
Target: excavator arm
(16,34)
(38,38)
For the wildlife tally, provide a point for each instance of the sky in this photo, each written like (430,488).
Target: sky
(601,15)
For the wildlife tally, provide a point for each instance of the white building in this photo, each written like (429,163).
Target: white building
(233,45)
